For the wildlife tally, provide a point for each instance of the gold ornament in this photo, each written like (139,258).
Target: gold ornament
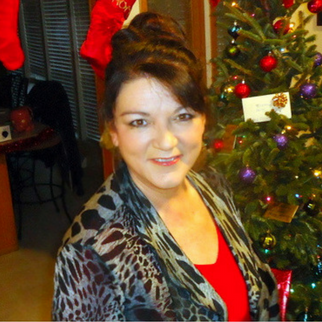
(280,100)
(268,240)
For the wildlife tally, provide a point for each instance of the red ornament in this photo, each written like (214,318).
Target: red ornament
(280,25)
(218,144)
(21,119)
(315,6)
(242,90)
(214,3)
(288,3)
(268,63)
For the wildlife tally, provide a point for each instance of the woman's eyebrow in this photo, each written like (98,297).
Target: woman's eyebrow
(135,112)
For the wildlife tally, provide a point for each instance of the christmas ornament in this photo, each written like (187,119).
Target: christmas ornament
(268,240)
(228,88)
(268,63)
(214,3)
(233,31)
(242,90)
(311,208)
(288,3)
(279,100)
(218,144)
(107,18)
(281,25)
(317,59)
(223,97)
(247,174)
(281,140)
(308,90)
(21,119)
(315,6)
(232,50)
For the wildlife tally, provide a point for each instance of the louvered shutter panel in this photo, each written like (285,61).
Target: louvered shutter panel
(33,33)
(58,42)
(85,73)
(53,31)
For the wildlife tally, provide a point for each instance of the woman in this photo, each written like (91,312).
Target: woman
(159,241)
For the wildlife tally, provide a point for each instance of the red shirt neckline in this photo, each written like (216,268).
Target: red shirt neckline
(226,278)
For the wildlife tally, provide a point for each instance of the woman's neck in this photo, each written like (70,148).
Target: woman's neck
(161,198)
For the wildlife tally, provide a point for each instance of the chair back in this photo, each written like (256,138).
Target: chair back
(50,105)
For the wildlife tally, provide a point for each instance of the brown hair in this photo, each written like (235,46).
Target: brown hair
(154,45)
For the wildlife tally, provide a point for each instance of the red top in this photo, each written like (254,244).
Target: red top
(226,278)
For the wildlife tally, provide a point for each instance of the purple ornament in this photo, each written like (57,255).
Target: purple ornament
(317,59)
(247,175)
(308,90)
(281,140)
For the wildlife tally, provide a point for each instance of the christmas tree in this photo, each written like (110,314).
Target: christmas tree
(267,139)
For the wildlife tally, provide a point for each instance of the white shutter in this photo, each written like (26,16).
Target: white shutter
(53,31)
(85,75)
(58,42)
(33,39)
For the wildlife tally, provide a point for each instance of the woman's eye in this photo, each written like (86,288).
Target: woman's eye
(185,117)
(138,123)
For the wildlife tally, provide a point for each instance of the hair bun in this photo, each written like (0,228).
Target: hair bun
(148,26)
(152,24)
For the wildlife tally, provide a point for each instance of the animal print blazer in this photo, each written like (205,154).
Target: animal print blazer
(119,262)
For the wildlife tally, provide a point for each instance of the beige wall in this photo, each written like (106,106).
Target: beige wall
(311,26)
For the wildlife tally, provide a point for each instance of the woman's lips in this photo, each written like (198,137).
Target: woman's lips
(166,161)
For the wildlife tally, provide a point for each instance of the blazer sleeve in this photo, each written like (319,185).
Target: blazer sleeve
(85,289)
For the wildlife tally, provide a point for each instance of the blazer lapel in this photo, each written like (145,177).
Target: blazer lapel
(228,220)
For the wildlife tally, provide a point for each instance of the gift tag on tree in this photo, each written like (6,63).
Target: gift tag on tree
(256,107)
(281,211)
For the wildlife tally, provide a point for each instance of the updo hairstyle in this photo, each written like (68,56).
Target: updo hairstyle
(154,46)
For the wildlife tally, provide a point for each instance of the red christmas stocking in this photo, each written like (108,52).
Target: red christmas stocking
(107,18)
(11,54)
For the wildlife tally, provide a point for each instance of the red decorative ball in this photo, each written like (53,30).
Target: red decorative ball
(288,3)
(242,90)
(218,144)
(280,25)
(268,63)
(315,6)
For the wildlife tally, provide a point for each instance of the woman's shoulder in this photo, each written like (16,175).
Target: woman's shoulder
(104,211)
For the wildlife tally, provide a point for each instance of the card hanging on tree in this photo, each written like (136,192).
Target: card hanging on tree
(256,107)
(281,211)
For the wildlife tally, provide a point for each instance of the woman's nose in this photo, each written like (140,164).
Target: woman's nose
(165,139)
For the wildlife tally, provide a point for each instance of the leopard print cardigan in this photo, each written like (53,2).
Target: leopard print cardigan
(119,262)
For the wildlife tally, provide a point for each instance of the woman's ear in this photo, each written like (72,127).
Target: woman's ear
(113,133)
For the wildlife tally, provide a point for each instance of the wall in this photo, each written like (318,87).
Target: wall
(312,26)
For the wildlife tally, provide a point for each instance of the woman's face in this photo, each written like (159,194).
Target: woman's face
(158,138)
